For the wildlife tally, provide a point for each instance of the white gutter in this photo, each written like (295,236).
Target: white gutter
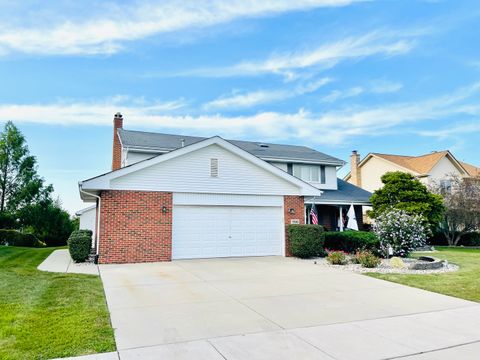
(97,228)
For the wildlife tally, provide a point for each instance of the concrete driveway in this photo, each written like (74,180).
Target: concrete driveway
(278,308)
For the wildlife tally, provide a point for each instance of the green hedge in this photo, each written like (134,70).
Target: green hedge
(470,239)
(306,241)
(16,238)
(351,241)
(80,245)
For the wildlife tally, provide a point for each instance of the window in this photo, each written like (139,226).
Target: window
(311,173)
(446,186)
(214,167)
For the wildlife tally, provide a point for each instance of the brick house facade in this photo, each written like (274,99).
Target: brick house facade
(136,226)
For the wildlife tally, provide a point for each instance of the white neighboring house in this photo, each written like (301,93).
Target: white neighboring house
(87,218)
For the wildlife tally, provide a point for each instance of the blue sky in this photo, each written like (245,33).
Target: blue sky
(397,77)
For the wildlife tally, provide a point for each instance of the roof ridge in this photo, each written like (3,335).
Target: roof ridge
(205,137)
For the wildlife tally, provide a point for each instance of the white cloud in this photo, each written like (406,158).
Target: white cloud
(384,86)
(337,94)
(376,87)
(453,131)
(323,57)
(106,32)
(337,126)
(253,98)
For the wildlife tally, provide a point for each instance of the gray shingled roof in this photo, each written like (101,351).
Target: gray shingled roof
(346,194)
(167,142)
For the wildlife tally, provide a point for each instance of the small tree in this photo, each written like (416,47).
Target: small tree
(403,191)
(462,207)
(401,231)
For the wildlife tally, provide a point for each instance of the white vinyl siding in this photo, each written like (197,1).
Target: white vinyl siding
(191,173)
(280,165)
(134,157)
(226,199)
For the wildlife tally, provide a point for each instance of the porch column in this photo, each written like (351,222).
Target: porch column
(341,218)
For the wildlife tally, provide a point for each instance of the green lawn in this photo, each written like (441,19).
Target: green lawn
(465,283)
(47,315)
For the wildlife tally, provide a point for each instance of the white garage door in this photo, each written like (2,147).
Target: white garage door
(222,231)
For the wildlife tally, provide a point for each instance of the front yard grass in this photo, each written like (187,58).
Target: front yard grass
(48,315)
(465,283)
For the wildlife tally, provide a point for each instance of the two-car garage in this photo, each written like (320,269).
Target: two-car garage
(216,225)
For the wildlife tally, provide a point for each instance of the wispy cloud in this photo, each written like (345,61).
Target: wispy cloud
(338,94)
(453,131)
(376,87)
(337,126)
(107,32)
(254,98)
(384,87)
(287,64)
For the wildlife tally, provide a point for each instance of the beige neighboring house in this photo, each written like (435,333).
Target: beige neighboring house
(436,167)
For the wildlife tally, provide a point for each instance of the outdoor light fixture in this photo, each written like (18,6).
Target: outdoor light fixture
(291,211)
(164,209)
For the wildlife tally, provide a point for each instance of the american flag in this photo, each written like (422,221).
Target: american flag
(313,215)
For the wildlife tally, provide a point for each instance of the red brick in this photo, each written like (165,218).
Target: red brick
(297,204)
(133,227)
(117,147)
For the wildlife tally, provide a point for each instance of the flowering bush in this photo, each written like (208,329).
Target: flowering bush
(337,257)
(367,259)
(401,231)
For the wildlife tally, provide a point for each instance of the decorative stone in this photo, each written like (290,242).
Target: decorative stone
(427,263)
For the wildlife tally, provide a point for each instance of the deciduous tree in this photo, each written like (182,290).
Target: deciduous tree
(462,207)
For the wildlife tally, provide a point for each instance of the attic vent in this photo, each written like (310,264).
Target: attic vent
(214,167)
(263,145)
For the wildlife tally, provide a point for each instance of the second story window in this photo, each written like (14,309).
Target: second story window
(446,186)
(310,173)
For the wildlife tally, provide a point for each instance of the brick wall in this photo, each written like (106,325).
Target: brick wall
(133,227)
(296,203)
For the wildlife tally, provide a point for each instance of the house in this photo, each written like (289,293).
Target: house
(87,218)
(436,167)
(176,197)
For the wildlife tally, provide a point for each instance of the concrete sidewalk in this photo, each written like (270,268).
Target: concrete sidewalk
(60,261)
(431,336)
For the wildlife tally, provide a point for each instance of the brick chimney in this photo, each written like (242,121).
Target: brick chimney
(355,174)
(117,147)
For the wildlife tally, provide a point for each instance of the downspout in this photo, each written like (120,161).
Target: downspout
(97,229)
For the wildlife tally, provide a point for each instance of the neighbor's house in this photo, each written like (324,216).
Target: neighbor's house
(87,218)
(434,168)
(175,197)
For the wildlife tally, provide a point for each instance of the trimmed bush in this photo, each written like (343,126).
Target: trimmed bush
(470,239)
(306,241)
(337,258)
(16,238)
(80,245)
(352,241)
(367,259)
(437,238)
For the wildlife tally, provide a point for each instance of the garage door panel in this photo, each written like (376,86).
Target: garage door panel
(223,231)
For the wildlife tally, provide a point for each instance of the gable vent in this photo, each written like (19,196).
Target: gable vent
(214,167)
